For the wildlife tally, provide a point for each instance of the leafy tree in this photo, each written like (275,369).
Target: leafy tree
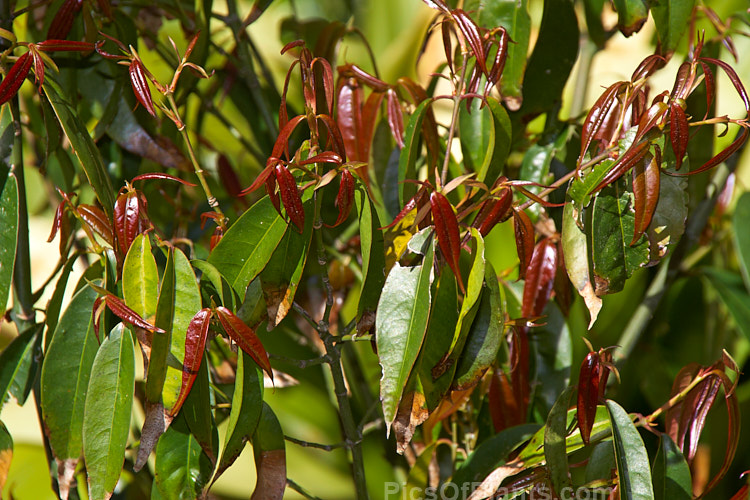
(423,257)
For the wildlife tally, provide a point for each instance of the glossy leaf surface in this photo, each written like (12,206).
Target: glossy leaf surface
(18,364)
(245,338)
(140,278)
(106,419)
(181,469)
(671,19)
(670,472)
(633,467)
(401,324)
(8,236)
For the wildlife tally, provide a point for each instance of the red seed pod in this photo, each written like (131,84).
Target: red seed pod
(446,229)
(15,77)
(290,196)
(140,85)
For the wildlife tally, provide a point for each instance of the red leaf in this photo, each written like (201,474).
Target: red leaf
(57,221)
(540,277)
(648,66)
(96,219)
(524,230)
(38,66)
(15,77)
(631,157)
(471,33)
(127,220)
(195,344)
(262,178)
(597,114)
(336,141)
(290,196)
(245,337)
(140,85)
(160,176)
(272,193)
(734,78)
(503,405)
(494,210)
(282,141)
(54,45)
(327,81)
(498,65)
(678,132)
(395,118)
(445,29)
(588,394)
(345,196)
(645,193)
(349,116)
(720,157)
(446,229)
(63,20)
(119,309)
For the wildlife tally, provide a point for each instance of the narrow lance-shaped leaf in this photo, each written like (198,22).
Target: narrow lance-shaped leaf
(8,235)
(646,182)
(18,365)
(140,85)
(140,278)
(555,452)
(670,472)
(410,152)
(181,469)
(244,337)
(446,230)
(679,132)
(345,196)
(395,117)
(290,197)
(270,457)
(16,76)
(401,323)
(106,418)
(524,230)
(633,468)
(195,345)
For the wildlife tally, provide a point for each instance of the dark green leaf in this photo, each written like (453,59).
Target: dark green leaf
(373,259)
(411,151)
(602,463)
(401,323)
(593,11)
(54,305)
(18,365)
(668,222)
(631,14)
(492,452)
(209,274)
(552,350)
(182,469)
(614,260)
(554,441)
(477,133)
(633,468)
(106,418)
(671,473)
(83,146)
(514,16)
(8,236)
(248,245)
(65,376)
(742,235)
(198,415)
(485,336)
(247,402)
(270,457)
(553,57)
(281,276)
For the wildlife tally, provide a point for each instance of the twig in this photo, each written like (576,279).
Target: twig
(308,444)
(299,489)
(300,363)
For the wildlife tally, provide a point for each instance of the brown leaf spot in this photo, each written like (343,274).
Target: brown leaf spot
(66,471)
(412,411)
(155,424)
(271,467)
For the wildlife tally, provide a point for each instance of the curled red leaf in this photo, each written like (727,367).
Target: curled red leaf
(493,211)
(245,337)
(344,197)
(63,20)
(97,220)
(195,344)
(395,118)
(678,132)
(15,77)
(524,231)
(140,85)
(129,214)
(646,182)
(446,230)
(540,278)
(161,176)
(290,196)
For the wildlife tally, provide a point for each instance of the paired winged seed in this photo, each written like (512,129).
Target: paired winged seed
(446,229)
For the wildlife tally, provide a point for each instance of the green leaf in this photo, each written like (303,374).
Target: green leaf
(6,453)
(270,456)
(671,473)
(401,323)
(514,16)
(419,474)
(248,245)
(671,18)
(247,403)
(18,365)
(54,305)
(555,452)
(485,336)
(65,376)
(593,11)
(492,452)
(575,249)
(553,57)
(198,414)
(181,469)
(83,146)
(631,15)
(209,274)
(8,236)
(477,133)
(412,148)
(373,258)
(602,463)
(106,418)
(612,227)
(730,288)
(742,235)
(503,136)
(633,469)
(281,276)
(140,278)
(668,223)
(552,351)
(165,311)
